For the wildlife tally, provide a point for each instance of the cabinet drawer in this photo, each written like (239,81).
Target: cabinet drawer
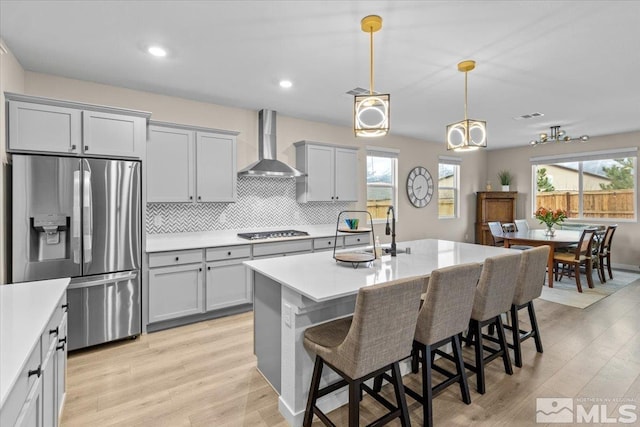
(357,239)
(18,394)
(52,330)
(327,243)
(277,248)
(175,258)
(228,252)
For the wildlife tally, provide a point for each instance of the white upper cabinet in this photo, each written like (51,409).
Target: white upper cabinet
(202,164)
(216,167)
(114,135)
(171,150)
(332,173)
(53,126)
(37,127)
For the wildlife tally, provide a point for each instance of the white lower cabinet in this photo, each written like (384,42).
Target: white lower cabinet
(228,284)
(175,291)
(178,286)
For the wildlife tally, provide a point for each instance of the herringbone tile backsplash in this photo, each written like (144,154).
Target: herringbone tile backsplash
(262,202)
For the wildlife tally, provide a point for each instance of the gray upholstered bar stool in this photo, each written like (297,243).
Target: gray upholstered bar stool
(444,315)
(373,340)
(493,297)
(528,287)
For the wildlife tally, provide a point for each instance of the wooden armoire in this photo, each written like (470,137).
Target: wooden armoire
(493,206)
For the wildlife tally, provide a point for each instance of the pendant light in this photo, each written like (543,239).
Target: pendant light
(466,134)
(371,111)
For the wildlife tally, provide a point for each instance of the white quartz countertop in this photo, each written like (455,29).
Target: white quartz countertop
(210,239)
(25,309)
(319,277)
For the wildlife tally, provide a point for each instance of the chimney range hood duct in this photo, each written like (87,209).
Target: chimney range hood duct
(267,165)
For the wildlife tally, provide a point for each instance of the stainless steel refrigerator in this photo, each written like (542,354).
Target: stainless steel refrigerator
(81,218)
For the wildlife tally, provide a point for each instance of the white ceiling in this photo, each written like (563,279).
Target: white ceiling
(575,61)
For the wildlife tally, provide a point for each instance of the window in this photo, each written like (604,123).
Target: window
(448,187)
(599,185)
(382,181)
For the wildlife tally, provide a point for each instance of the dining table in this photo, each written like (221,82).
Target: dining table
(538,237)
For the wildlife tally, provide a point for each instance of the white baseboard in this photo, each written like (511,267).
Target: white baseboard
(627,267)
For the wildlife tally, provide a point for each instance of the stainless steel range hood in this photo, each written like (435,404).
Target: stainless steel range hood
(267,165)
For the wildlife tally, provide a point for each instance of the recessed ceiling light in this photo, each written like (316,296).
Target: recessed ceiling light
(286,84)
(157,51)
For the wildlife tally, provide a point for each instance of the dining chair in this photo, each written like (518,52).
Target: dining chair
(365,345)
(509,227)
(493,297)
(444,315)
(604,253)
(582,255)
(521,224)
(496,232)
(529,282)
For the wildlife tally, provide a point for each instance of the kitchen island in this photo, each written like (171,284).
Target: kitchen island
(32,353)
(294,293)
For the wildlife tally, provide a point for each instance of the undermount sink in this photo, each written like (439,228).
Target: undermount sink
(386,250)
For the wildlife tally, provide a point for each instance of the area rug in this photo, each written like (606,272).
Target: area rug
(565,291)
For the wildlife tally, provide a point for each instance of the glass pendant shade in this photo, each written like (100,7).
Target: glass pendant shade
(467,134)
(371,115)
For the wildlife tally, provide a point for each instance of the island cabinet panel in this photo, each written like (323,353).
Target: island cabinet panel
(176,291)
(37,396)
(55,126)
(331,172)
(493,206)
(190,164)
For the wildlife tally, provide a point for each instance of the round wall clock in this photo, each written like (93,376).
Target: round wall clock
(419,187)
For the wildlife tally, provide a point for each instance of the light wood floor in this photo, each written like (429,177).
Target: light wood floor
(204,374)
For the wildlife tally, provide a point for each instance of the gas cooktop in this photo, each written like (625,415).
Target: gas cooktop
(278,234)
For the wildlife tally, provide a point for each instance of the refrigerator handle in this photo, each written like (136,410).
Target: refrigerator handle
(75,226)
(87,217)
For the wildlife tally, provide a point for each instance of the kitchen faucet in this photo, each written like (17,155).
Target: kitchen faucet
(391,230)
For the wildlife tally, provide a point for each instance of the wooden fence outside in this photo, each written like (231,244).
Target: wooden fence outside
(596,204)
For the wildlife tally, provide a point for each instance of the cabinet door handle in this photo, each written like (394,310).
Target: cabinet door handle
(332,197)
(199,197)
(62,342)
(86,148)
(177,258)
(37,372)
(208,268)
(200,269)
(65,307)
(190,197)
(53,331)
(337,197)
(329,243)
(73,147)
(229,253)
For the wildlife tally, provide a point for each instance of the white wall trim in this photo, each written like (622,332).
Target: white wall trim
(588,155)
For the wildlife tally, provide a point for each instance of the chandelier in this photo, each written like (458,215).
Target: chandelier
(556,135)
(371,112)
(466,134)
